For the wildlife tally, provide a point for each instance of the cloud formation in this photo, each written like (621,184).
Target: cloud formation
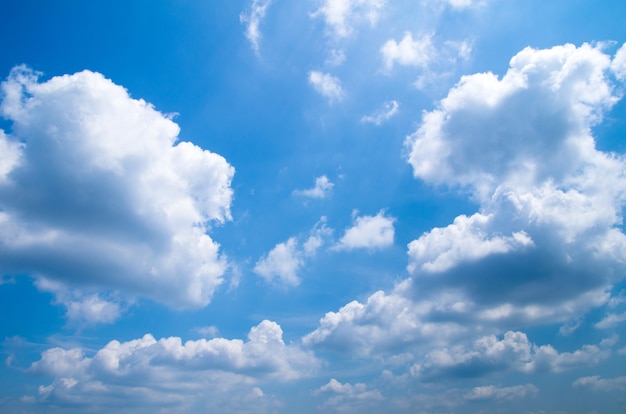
(169,370)
(281,263)
(327,85)
(368,232)
(550,202)
(389,110)
(253,20)
(347,397)
(341,15)
(596,383)
(490,392)
(97,194)
(322,188)
(409,52)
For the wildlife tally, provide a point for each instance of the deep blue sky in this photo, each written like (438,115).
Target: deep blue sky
(343,206)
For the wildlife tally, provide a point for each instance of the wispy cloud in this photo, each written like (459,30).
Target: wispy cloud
(253,19)
(386,113)
(327,85)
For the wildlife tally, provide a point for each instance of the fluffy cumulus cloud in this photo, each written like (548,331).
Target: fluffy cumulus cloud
(97,193)
(327,85)
(322,188)
(341,15)
(368,232)
(171,371)
(550,201)
(252,19)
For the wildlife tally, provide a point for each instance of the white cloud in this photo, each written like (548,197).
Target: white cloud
(253,20)
(597,383)
(318,236)
(618,65)
(349,398)
(103,194)
(368,232)
(379,325)
(322,188)
(389,110)
(170,369)
(327,85)
(282,263)
(342,15)
(466,239)
(490,392)
(82,307)
(207,331)
(409,52)
(550,203)
(611,320)
(514,352)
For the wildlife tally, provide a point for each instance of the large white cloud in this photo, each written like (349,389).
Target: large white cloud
(174,371)
(96,193)
(550,202)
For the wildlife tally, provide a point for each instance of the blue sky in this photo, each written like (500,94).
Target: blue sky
(315,206)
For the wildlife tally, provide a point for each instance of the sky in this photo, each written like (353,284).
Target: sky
(263,206)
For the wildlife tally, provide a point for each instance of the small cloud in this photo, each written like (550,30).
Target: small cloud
(252,19)
(81,307)
(490,392)
(327,85)
(611,320)
(368,232)
(285,260)
(569,328)
(281,263)
(207,331)
(342,15)
(317,238)
(409,52)
(321,189)
(348,395)
(387,112)
(596,383)
(336,57)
